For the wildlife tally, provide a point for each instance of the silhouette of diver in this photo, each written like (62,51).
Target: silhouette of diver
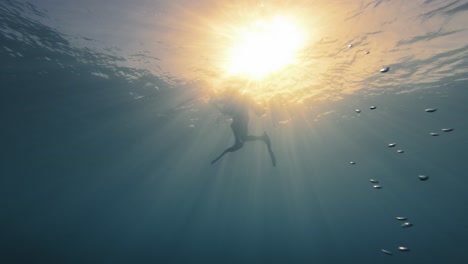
(237,106)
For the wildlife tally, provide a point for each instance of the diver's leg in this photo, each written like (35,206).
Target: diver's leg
(238,143)
(266,138)
(236,146)
(267,141)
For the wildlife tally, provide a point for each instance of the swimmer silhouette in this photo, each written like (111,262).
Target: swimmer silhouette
(237,106)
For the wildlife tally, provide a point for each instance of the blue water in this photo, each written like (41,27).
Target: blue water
(107,163)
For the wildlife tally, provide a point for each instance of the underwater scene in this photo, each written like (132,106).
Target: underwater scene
(216,131)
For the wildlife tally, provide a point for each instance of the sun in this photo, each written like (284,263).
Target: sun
(265,47)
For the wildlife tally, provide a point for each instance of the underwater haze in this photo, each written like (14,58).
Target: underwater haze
(108,133)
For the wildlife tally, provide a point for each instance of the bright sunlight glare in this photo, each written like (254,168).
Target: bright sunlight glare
(266,47)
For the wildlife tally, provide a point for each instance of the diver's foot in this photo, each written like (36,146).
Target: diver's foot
(266,138)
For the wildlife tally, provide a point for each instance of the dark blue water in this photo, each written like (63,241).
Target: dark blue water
(100,167)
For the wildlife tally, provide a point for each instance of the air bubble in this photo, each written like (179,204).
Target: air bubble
(386,69)
(387,252)
(423,177)
(401,248)
(406,224)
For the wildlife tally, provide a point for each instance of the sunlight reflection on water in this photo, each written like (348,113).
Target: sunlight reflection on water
(348,43)
(418,40)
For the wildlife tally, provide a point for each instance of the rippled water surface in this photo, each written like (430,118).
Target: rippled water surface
(107,134)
